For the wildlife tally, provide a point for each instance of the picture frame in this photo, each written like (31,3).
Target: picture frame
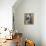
(28,18)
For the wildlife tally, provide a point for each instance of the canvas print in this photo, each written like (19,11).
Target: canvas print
(28,18)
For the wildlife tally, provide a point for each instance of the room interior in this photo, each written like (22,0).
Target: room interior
(16,29)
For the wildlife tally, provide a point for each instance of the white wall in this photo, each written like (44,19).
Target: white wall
(43,22)
(38,30)
(6,13)
(30,31)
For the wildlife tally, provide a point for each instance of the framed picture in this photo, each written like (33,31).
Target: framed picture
(28,18)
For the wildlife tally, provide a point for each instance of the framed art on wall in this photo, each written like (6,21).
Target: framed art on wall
(28,18)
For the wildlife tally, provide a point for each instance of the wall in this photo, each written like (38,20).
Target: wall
(6,13)
(43,22)
(29,31)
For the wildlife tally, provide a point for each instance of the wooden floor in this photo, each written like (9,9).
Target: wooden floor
(9,43)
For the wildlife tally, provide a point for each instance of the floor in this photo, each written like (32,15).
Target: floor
(9,43)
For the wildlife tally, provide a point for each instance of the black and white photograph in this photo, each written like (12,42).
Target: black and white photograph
(28,18)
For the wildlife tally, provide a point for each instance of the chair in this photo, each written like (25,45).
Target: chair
(18,39)
(29,43)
